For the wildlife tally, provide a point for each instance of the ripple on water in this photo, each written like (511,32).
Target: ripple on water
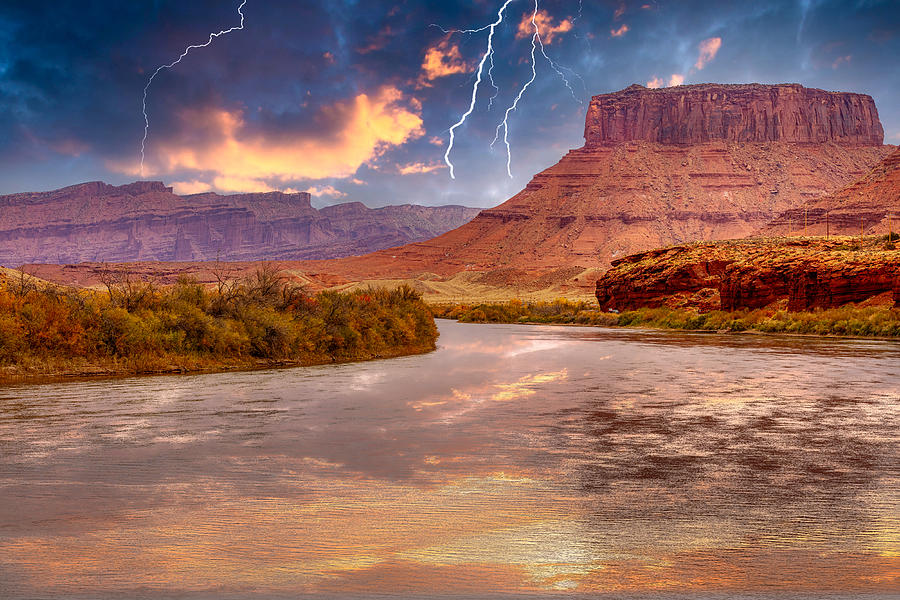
(514,459)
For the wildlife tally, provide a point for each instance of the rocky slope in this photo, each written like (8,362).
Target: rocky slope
(731,275)
(661,166)
(870,205)
(146,221)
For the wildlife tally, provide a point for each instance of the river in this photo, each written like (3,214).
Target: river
(513,460)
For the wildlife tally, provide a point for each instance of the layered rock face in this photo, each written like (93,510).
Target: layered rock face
(733,275)
(871,205)
(696,114)
(702,162)
(147,221)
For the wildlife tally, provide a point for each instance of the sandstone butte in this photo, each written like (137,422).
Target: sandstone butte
(658,167)
(146,221)
(800,273)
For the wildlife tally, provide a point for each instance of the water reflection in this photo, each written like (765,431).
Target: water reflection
(513,459)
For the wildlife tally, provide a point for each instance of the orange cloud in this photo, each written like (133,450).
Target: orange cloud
(547,30)
(676,79)
(654,83)
(185,188)
(442,60)
(418,168)
(841,60)
(620,31)
(229,183)
(379,41)
(619,12)
(74,147)
(708,50)
(233,157)
(325,190)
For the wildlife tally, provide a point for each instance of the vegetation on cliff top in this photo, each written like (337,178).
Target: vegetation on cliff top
(854,321)
(836,249)
(135,327)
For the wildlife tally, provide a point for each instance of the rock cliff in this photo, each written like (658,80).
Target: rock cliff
(744,154)
(696,114)
(804,274)
(145,220)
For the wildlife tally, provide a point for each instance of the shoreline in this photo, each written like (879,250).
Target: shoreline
(102,371)
(256,323)
(98,372)
(657,326)
(818,336)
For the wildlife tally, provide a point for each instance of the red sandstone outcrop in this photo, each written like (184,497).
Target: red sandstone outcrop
(871,205)
(145,220)
(738,274)
(696,114)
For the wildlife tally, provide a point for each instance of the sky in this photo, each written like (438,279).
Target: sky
(354,100)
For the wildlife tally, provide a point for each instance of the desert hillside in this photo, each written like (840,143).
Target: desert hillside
(869,205)
(659,167)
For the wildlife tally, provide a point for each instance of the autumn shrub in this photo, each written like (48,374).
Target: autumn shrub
(261,317)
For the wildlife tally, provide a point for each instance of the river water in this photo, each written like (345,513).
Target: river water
(513,460)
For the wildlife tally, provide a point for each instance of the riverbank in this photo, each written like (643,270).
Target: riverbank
(848,321)
(261,321)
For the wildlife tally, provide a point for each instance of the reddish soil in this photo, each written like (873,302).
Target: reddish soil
(871,205)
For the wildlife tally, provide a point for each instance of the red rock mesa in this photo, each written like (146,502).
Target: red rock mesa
(660,166)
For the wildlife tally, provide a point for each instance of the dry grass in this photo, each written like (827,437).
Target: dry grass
(849,321)
(472,287)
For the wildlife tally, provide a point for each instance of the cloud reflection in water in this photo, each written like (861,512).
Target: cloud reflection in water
(512,459)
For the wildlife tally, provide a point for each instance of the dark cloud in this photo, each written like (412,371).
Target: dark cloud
(71,75)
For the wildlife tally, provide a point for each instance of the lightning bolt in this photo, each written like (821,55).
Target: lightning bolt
(484,57)
(536,42)
(558,68)
(504,124)
(212,36)
(488,55)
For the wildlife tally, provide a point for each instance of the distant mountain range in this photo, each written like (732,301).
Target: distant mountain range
(146,221)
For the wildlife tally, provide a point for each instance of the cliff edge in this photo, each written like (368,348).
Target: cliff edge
(696,114)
